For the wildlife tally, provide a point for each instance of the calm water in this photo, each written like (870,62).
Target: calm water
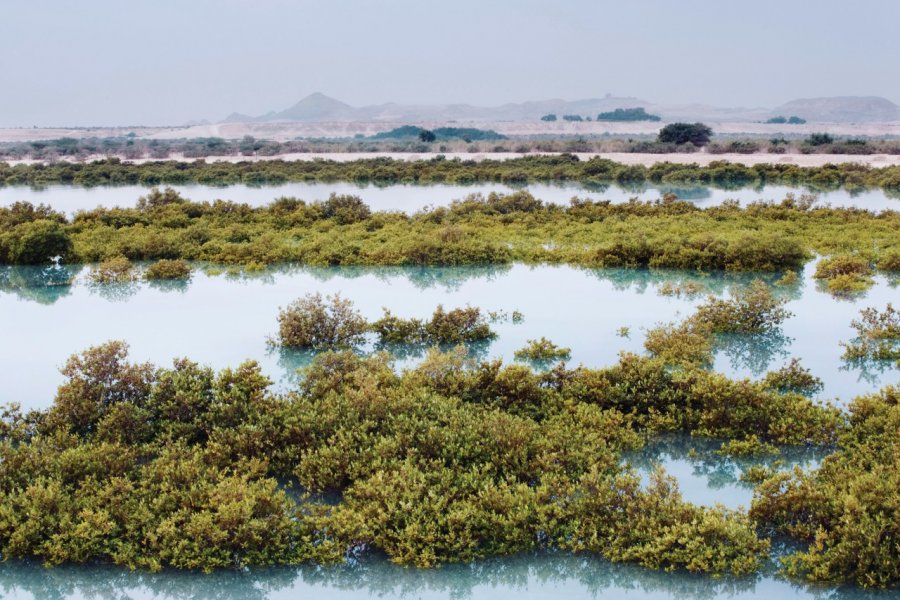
(553,576)
(224,319)
(410,198)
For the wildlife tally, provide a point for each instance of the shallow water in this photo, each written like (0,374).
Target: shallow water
(706,478)
(550,576)
(223,320)
(410,198)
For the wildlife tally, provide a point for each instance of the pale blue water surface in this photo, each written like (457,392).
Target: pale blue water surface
(47,314)
(411,198)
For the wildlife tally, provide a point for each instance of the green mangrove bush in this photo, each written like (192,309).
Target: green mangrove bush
(542,350)
(168,269)
(317,323)
(493,229)
(877,335)
(846,512)
(451,460)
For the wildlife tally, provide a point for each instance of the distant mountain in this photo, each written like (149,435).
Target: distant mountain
(841,109)
(321,108)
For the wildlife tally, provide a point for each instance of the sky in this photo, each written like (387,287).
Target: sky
(166,62)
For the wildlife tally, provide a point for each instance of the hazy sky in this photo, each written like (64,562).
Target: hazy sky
(106,62)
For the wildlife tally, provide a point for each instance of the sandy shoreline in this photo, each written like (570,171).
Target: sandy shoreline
(628,158)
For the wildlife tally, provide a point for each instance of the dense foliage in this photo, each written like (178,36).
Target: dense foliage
(450,461)
(542,351)
(627,114)
(316,323)
(697,134)
(877,335)
(848,510)
(563,167)
(496,229)
(467,134)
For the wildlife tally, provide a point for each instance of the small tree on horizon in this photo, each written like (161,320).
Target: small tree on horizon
(682,133)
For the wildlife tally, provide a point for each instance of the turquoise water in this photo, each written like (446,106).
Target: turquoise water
(410,198)
(47,314)
(223,320)
(542,576)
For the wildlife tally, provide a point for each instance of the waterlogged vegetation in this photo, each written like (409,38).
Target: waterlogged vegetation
(496,229)
(444,462)
(542,351)
(317,323)
(454,458)
(527,169)
(878,336)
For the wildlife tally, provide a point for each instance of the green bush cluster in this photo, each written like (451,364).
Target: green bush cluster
(493,229)
(113,270)
(751,310)
(532,168)
(168,269)
(448,461)
(846,512)
(542,350)
(877,335)
(455,326)
(845,273)
(316,323)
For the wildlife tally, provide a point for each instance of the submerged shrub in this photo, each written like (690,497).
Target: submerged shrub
(751,310)
(460,325)
(846,512)
(845,274)
(542,350)
(317,323)
(168,269)
(450,461)
(113,270)
(877,335)
(457,325)
(687,343)
(793,378)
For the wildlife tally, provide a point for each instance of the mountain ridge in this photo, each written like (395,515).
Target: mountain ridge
(318,107)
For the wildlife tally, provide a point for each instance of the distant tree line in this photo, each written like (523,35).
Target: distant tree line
(793,120)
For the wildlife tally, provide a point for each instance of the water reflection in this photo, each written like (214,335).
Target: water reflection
(44,285)
(223,317)
(753,352)
(553,575)
(706,477)
(412,197)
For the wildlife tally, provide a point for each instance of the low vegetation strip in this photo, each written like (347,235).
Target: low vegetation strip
(496,229)
(539,168)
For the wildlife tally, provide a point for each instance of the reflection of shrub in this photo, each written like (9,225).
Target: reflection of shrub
(114,270)
(168,269)
(314,322)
